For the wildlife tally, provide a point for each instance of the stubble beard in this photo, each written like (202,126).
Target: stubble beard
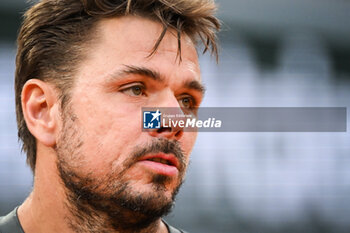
(111,203)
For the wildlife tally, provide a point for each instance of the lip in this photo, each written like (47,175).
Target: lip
(164,169)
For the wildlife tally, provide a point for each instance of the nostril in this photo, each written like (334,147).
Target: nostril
(164,129)
(179,133)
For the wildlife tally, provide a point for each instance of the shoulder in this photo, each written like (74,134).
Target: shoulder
(172,229)
(10,223)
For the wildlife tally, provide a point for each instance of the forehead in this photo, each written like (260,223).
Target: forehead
(133,38)
(132,30)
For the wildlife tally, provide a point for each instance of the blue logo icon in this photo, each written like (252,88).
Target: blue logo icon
(151,119)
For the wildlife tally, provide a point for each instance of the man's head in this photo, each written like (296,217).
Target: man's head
(84,70)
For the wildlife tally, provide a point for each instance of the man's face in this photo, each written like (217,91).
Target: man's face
(102,152)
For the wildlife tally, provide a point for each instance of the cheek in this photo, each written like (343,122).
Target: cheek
(187,141)
(109,134)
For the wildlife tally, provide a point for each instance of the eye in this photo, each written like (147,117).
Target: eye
(135,90)
(187,102)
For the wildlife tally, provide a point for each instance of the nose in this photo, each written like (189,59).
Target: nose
(168,102)
(171,133)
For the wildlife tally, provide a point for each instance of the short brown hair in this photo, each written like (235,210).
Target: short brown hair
(51,39)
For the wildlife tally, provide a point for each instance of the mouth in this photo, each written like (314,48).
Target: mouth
(163,164)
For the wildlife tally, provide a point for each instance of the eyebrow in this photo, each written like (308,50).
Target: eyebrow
(195,85)
(129,69)
(156,76)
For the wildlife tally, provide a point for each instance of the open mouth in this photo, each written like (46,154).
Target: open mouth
(160,160)
(166,159)
(164,164)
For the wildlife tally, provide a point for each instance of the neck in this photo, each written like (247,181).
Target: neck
(49,208)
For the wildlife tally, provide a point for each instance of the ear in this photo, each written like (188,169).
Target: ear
(40,110)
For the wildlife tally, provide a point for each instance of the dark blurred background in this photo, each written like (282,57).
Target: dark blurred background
(274,53)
